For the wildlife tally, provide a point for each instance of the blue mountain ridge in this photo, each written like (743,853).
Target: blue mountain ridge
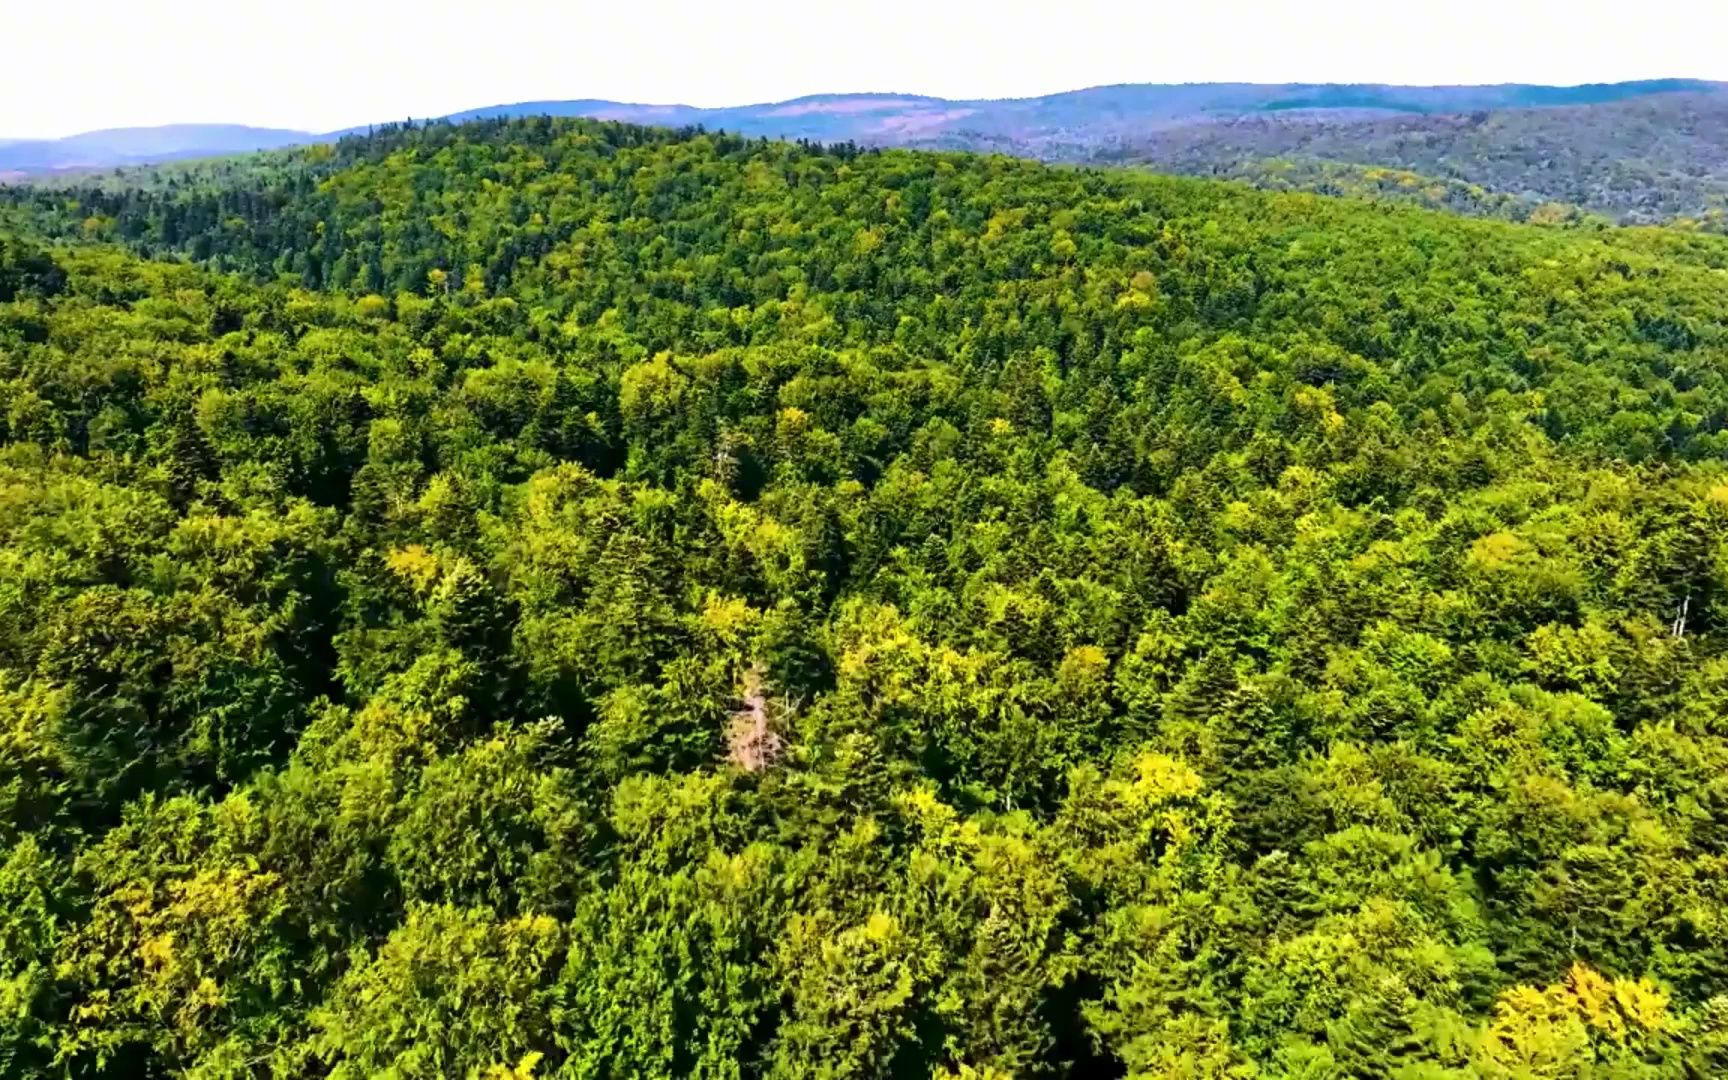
(890,119)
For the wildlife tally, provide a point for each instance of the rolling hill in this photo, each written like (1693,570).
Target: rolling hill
(1634,152)
(1043,126)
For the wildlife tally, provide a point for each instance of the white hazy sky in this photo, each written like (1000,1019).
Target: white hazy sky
(322,64)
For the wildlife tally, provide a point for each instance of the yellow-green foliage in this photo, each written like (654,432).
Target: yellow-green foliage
(1201,632)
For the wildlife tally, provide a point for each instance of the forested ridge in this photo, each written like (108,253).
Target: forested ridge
(1647,159)
(1646,152)
(566,599)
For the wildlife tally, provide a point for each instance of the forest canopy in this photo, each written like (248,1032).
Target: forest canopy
(566,599)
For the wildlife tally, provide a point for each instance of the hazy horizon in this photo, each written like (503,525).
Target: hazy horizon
(4,137)
(321,66)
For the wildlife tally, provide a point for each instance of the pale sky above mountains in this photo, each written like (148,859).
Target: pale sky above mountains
(324,64)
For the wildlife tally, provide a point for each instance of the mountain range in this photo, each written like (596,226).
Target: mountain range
(142,146)
(1632,151)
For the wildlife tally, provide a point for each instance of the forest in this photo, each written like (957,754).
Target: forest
(1658,158)
(550,598)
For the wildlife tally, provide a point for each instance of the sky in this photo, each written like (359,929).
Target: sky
(317,65)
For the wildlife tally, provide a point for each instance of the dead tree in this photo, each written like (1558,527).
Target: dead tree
(752,743)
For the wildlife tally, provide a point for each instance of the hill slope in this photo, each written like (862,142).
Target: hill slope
(671,605)
(1647,159)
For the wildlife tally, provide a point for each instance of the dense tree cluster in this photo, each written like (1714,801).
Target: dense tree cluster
(550,598)
(1397,185)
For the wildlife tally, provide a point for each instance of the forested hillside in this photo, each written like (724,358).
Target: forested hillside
(565,599)
(1647,159)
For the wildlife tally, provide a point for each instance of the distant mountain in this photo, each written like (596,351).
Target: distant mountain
(1635,151)
(1639,160)
(1086,116)
(876,118)
(1078,115)
(137,146)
